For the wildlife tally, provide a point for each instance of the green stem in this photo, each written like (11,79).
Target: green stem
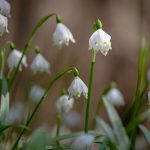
(97,111)
(58,126)
(58,76)
(89,93)
(2,63)
(27,45)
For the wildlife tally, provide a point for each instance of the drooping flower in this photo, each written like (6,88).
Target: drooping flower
(115,97)
(64,104)
(83,142)
(71,119)
(5,8)
(36,93)
(40,64)
(100,41)
(16,113)
(77,88)
(3,24)
(14,58)
(62,35)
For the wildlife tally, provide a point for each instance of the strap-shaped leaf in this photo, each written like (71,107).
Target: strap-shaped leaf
(118,129)
(107,129)
(4,109)
(146,133)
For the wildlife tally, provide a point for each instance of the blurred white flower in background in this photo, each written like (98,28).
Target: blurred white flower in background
(64,104)
(77,88)
(36,93)
(115,96)
(62,35)
(100,41)
(3,24)
(16,113)
(13,60)
(40,64)
(71,119)
(5,8)
(83,142)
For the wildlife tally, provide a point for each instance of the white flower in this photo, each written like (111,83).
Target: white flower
(77,87)
(115,97)
(100,41)
(71,119)
(36,93)
(16,112)
(83,142)
(5,8)
(3,24)
(62,35)
(14,59)
(64,103)
(40,64)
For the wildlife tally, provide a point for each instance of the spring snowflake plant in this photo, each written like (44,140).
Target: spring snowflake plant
(120,135)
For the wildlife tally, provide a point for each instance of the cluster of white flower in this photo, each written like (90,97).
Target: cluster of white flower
(4,13)
(61,36)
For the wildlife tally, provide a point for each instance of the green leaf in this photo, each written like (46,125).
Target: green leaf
(118,128)
(71,135)
(37,141)
(104,144)
(107,129)
(146,133)
(4,109)
(141,88)
(4,127)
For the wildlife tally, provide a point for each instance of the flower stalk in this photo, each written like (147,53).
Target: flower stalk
(27,45)
(50,85)
(89,93)
(58,124)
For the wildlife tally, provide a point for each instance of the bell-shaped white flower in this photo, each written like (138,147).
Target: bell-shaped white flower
(36,93)
(77,88)
(5,8)
(40,64)
(14,58)
(83,142)
(3,24)
(115,97)
(64,104)
(100,41)
(62,35)
(71,119)
(16,113)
